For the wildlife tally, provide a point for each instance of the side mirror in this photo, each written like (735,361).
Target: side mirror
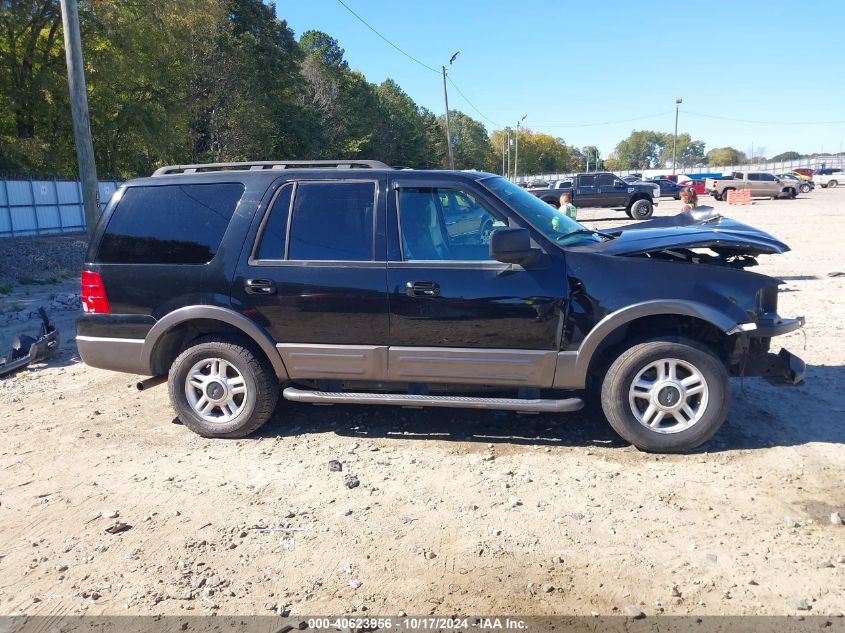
(513,246)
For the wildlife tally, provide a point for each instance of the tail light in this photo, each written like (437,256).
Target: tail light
(94,298)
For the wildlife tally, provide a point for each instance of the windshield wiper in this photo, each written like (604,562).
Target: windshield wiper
(587,232)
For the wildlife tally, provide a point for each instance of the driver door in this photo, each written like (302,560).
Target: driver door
(455,314)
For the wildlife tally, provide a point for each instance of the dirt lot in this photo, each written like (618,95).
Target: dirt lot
(456,512)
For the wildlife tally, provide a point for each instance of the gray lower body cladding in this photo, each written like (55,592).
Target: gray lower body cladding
(116,354)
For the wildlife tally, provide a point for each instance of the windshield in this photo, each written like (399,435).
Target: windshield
(551,222)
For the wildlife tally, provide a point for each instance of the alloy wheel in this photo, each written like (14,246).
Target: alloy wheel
(216,390)
(668,396)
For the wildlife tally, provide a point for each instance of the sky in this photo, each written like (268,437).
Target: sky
(583,71)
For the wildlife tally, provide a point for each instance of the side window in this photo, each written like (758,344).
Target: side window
(332,221)
(754,177)
(605,180)
(271,239)
(444,225)
(586,181)
(169,224)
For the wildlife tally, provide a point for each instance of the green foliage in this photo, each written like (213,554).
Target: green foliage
(647,149)
(205,80)
(470,143)
(725,156)
(786,156)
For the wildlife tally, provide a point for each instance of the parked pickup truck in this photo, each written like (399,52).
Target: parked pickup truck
(762,185)
(603,189)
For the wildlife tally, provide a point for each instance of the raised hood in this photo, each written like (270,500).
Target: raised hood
(703,228)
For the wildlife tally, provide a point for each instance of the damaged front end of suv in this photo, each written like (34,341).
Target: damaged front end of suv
(694,264)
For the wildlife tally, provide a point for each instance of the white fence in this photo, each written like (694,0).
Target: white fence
(779,167)
(45,207)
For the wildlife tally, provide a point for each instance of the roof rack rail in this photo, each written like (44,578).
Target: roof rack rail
(273,165)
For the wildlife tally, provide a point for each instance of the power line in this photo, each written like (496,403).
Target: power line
(415,60)
(639,118)
(471,104)
(796,122)
(367,24)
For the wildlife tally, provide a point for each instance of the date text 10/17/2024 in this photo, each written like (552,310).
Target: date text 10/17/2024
(420,623)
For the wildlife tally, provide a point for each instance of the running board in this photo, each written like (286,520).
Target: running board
(457,402)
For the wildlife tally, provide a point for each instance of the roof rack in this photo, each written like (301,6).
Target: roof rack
(273,165)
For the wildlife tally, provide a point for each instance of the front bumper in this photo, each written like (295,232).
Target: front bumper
(783,368)
(771,324)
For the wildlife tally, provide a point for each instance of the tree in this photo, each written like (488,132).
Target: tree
(641,150)
(470,143)
(688,152)
(785,156)
(724,156)
(401,137)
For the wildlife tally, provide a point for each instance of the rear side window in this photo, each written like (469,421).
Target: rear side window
(332,221)
(273,233)
(587,181)
(169,224)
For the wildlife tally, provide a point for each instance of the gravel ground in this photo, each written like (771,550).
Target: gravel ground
(40,259)
(108,507)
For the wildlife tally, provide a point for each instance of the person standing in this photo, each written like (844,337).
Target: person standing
(689,198)
(566,206)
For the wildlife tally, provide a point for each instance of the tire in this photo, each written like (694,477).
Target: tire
(625,406)
(641,209)
(791,193)
(832,184)
(725,193)
(717,197)
(629,214)
(244,369)
(805,188)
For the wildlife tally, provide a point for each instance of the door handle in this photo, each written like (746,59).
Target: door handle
(422,289)
(260,287)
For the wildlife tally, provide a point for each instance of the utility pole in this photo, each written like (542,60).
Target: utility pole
(504,137)
(448,126)
(79,112)
(678,102)
(516,150)
(509,153)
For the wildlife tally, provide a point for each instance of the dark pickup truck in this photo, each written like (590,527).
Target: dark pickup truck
(603,189)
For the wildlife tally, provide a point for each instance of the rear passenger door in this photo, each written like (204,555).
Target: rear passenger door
(313,275)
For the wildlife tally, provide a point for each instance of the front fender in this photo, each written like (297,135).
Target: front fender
(572,366)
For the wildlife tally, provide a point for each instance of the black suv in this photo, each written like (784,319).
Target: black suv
(352,282)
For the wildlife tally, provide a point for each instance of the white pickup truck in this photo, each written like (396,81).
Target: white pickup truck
(761,184)
(829,177)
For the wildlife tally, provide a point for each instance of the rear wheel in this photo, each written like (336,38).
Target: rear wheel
(222,389)
(641,210)
(805,188)
(666,395)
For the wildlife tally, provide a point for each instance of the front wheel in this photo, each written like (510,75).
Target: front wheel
(642,210)
(832,184)
(220,388)
(666,395)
